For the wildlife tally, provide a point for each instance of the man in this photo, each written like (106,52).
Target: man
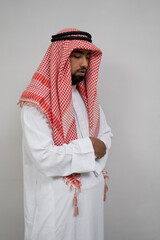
(65,142)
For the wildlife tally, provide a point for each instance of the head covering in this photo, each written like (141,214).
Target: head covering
(50,91)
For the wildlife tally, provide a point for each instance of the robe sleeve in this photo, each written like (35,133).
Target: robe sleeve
(75,157)
(105,135)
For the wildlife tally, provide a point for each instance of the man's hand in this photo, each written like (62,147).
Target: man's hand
(99,147)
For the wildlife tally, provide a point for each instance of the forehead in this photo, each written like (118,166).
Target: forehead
(81,51)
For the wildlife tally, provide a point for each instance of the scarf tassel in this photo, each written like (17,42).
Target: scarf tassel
(104,172)
(75,203)
(105,191)
(77,185)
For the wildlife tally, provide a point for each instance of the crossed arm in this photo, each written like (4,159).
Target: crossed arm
(77,156)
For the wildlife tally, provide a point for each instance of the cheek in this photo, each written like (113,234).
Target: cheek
(74,66)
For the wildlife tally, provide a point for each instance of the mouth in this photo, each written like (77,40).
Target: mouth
(81,72)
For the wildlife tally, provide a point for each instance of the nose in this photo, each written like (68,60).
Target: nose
(84,62)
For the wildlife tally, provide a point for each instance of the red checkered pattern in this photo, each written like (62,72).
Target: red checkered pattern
(50,92)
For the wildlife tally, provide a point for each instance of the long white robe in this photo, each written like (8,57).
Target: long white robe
(48,202)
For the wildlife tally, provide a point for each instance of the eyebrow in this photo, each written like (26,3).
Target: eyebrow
(79,51)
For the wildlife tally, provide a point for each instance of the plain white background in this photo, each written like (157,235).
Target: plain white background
(128,32)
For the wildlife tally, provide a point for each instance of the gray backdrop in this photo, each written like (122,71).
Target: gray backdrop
(128,32)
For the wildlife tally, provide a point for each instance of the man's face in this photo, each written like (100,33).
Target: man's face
(79,60)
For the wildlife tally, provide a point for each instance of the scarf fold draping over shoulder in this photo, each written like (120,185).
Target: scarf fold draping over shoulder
(50,91)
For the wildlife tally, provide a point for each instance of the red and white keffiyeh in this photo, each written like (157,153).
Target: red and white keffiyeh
(50,91)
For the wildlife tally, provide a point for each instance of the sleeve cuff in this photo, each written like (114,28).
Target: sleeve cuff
(84,158)
(100,164)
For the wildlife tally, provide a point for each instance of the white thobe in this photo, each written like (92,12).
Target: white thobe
(48,202)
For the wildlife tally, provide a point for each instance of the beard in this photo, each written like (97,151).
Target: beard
(76,79)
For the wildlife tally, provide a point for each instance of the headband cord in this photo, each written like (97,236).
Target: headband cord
(69,36)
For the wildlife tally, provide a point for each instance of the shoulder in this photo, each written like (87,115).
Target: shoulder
(30,112)
(30,115)
(33,120)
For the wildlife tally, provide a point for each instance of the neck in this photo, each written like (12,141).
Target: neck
(74,87)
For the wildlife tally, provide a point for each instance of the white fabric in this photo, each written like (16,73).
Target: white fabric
(48,202)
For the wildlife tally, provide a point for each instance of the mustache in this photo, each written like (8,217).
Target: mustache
(81,69)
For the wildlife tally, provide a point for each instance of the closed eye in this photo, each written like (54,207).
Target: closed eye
(77,56)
